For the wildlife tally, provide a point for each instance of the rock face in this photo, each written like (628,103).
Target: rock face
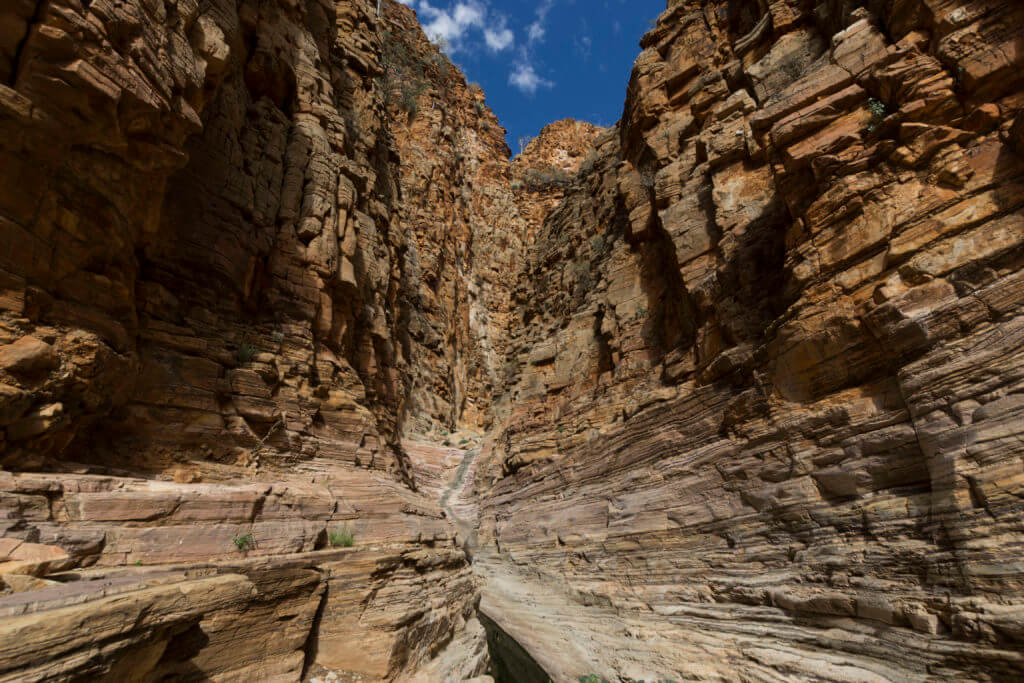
(274,369)
(546,166)
(206,352)
(465,231)
(766,419)
(204,260)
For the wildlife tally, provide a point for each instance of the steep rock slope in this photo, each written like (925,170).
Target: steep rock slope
(766,420)
(465,231)
(206,349)
(546,166)
(201,237)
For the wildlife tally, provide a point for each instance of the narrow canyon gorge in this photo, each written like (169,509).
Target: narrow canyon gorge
(304,378)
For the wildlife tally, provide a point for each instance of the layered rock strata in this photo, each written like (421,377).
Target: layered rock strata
(546,168)
(753,395)
(465,231)
(766,419)
(206,350)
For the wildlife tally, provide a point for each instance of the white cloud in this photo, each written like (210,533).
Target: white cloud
(468,15)
(408,3)
(526,78)
(498,40)
(453,26)
(535,31)
(524,75)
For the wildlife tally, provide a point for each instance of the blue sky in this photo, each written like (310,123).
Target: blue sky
(543,60)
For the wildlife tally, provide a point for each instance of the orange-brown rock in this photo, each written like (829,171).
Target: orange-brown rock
(547,165)
(765,421)
(301,376)
(466,232)
(204,349)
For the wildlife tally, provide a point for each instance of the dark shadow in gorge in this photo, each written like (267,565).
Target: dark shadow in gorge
(510,662)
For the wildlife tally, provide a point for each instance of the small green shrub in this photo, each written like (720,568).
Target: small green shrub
(446,442)
(137,563)
(463,442)
(641,312)
(408,103)
(243,542)
(581,271)
(245,351)
(878,112)
(589,162)
(342,538)
(403,75)
(648,178)
(593,678)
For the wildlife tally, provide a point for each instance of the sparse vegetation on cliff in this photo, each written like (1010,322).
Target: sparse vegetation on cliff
(243,542)
(405,75)
(245,351)
(537,179)
(740,370)
(342,538)
(878,112)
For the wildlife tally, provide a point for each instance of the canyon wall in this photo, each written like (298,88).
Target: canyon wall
(209,350)
(465,231)
(766,416)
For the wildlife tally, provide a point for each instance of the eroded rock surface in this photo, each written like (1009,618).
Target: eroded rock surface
(205,349)
(766,422)
(280,393)
(465,232)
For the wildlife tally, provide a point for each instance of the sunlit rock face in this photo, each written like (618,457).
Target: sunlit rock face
(465,232)
(302,376)
(205,350)
(765,419)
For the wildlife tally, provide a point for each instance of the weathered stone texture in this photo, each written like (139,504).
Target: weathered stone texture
(764,422)
(203,255)
(751,361)
(465,232)
(546,167)
(203,348)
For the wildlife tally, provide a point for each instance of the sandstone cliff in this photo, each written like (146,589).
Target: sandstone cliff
(546,167)
(767,417)
(729,391)
(465,232)
(207,348)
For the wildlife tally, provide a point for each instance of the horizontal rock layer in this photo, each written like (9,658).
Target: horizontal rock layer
(206,348)
(766,418)
(254,619)
(754,391)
